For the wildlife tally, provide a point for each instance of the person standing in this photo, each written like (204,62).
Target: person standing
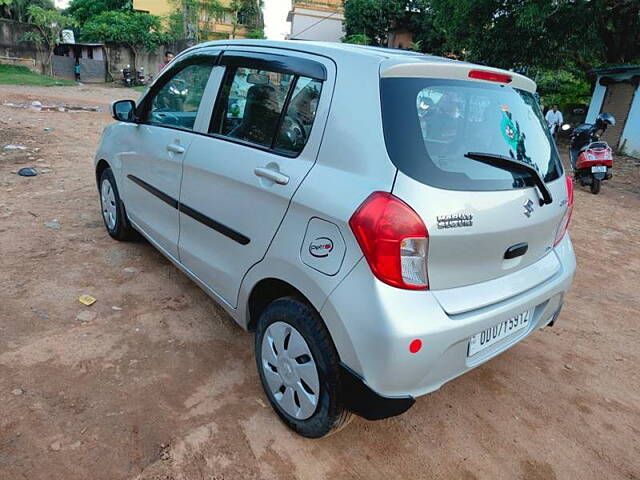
(76,70)
(168,56)
(554,121)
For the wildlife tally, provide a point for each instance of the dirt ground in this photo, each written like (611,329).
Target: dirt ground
(154,381)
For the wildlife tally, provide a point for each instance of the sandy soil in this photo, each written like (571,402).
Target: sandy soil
(166,387)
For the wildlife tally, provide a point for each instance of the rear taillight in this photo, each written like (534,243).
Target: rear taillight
(490,76)
(394,241)
(564,224)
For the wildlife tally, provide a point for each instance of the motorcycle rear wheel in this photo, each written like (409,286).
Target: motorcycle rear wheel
(595,186)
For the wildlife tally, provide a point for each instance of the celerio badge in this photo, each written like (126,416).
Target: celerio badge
(455,221)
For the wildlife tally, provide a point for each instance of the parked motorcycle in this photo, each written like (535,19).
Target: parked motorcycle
(141,80)
(592,160)
(127,77)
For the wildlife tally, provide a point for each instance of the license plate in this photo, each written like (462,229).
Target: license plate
(599,169)
(492,335)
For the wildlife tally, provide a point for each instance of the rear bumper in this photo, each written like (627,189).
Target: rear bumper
(372,325)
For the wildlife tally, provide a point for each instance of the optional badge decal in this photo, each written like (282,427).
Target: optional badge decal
(321,247)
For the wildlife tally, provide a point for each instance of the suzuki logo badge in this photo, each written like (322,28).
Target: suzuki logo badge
(528,208)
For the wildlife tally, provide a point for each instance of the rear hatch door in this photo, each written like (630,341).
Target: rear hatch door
(484,221)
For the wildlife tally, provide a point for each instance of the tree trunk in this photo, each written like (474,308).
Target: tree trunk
(134,59)
(50,62)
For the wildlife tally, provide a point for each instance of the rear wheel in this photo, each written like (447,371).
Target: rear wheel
(595,186)
(299,370)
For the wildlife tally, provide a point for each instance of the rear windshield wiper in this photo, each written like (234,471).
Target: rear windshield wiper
(508,163)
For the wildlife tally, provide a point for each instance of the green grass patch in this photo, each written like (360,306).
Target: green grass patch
(16,75)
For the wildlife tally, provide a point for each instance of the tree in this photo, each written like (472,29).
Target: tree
(85,10)
(136,30)
(192,19)
(247,13)
(373,19)
(358,39)
(541,33)
(520,34)
(566,88)
(46,36)
(18,9)
(618,28)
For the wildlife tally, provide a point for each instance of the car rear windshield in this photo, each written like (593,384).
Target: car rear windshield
(430,124)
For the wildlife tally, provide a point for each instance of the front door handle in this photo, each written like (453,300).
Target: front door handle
(273,175)
(175,148)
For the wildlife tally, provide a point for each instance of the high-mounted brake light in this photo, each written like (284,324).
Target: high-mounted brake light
(564,223)
(490,76)
(394,241)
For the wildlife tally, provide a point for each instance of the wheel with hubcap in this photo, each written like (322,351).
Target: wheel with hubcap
(112,208)
(298,366)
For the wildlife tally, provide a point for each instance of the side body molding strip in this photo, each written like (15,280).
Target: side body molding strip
(199,217)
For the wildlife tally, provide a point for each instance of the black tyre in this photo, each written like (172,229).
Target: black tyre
(595,186)
(299,368)
(112,208)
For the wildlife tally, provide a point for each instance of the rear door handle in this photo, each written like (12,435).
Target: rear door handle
(172,147)
(273,175)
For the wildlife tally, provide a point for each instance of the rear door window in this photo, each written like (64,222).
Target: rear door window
(251,104)
(430,124)
(266,108)
(299,116)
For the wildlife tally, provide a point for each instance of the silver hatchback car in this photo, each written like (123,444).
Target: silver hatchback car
(383,221)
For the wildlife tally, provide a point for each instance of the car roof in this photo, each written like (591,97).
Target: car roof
(329,49)
(390,60)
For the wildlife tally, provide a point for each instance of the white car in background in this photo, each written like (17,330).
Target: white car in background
(384,221)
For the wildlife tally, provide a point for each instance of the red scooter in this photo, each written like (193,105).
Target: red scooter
(592,160)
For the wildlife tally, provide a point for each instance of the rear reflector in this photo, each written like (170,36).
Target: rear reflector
(415,345)
(490,76)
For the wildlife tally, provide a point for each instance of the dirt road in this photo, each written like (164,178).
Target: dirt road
(155,381)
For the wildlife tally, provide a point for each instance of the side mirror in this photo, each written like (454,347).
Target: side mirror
(124,111)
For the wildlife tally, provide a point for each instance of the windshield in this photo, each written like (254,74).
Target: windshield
(430,124)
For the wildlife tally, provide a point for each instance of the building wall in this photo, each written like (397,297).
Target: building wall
(155,7)
(163,8)
(630,138)
(12,49)
(316,24)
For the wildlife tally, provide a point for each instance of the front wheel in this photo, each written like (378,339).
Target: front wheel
(595,186)
(112,208)
(299,368)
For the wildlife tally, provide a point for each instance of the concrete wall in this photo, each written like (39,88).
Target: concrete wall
(630,138)
(309,24)
(12,48)
(119,56)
